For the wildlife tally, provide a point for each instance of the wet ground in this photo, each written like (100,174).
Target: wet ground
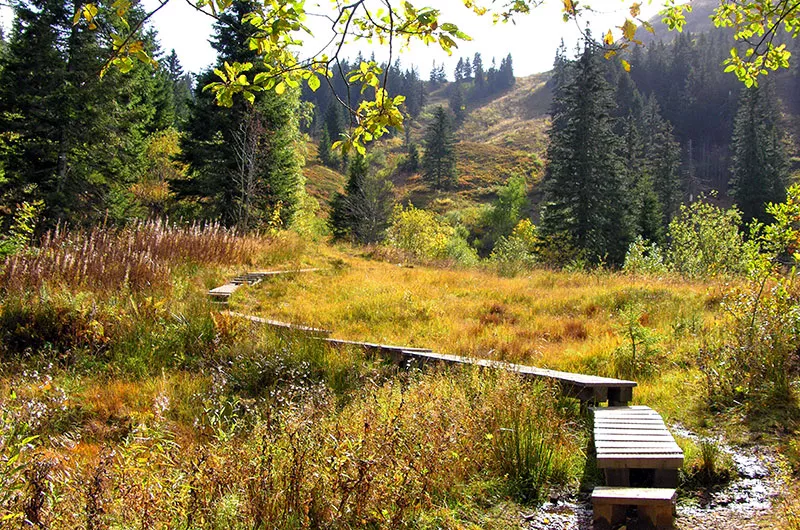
(740,505)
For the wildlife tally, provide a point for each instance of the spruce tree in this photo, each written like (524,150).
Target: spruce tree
(439,160)
(759,169)
(585,203)
(479,87)
(324,153)
(362,212)
(78,140)
(663,159)
(243,161)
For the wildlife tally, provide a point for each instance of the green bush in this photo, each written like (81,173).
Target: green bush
(637,355)
(644,257)
(705,241)
(758,357)
(422,235)
(517,252)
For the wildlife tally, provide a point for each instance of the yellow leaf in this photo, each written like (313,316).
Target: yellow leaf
(626,65)
(628,30)
(608,39)
(280,88)
(569,7)
(636,8)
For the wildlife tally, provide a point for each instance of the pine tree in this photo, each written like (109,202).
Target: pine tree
(439,160)
(181,87)
(467,69)
(759,169)
(243,161)
(645,208)
(324,152)
(362,212)
(663,159)
(458,105)
(479,88)
(585,200)
(458,74)
(79,140)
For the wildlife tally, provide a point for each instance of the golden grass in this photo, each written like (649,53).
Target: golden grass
(555,319)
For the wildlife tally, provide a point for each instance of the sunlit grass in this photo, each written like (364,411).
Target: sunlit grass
(555,319)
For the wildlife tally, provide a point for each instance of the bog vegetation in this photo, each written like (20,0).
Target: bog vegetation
(649,236)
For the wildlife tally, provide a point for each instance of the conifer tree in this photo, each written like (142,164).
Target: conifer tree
(439,160)
(663,159)
(585,200)
(458,74)
(759,169)
(243,161)
(362,212)
(78,140)
(478,73)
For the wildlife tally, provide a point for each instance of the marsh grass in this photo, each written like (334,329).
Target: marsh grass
(139,256)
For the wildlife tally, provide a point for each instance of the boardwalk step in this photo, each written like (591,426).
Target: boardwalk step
(654,505)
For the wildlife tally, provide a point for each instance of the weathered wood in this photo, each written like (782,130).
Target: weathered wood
(223,291)
(654,506)
(279,324)
(634,496)
(587,388)
(633,438)
(636,461)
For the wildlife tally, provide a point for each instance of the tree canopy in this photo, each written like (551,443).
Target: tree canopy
(279,29)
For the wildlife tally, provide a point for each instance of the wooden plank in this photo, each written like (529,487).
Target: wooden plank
(634,461)
(634,496)
(667,446)
(279,324)
(655,426)
(655,437)
(223,291)
(629,421)
(624,413)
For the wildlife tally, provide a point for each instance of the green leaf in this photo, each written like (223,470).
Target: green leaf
(313,83)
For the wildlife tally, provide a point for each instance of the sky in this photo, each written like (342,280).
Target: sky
(532,41)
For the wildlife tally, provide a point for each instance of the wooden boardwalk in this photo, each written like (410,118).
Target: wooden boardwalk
(625,437)
(222,293)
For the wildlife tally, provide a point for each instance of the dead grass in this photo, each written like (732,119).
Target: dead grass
(140,256)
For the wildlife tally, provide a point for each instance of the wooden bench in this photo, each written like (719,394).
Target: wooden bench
(654,506)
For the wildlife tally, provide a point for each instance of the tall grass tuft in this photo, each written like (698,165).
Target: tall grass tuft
(525,456)
(138,256)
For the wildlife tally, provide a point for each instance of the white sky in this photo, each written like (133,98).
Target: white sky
(532,41)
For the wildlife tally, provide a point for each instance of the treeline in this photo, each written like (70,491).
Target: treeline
(700,100)
(330,116)
(71,142)
(80,148)
(616,167)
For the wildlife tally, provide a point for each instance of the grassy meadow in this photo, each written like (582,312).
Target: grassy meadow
(129,401)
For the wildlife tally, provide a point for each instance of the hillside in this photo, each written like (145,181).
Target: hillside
(502,136)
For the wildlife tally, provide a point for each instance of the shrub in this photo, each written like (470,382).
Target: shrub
(422,235)
(644,257)
(516,253)
(636,356)
(705,241)
(759,355)
(22,228)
